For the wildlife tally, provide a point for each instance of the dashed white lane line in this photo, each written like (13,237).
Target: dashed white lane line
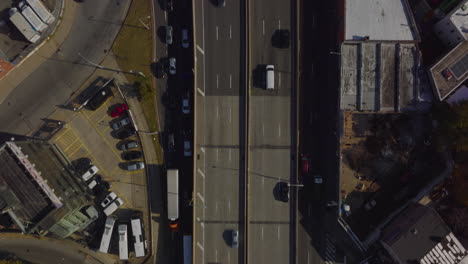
(230,32)
(230,154)
(217,154)
(217,81)
(279,24)
(217,34)
(217,112)
(200,50)
(262,232)
(278,233)
(230,80)
(279,79)
(279,130)
(229,205)
(230,114)
(263,26)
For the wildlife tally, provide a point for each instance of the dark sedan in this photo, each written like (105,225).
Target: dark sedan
(125,132)
(131,155)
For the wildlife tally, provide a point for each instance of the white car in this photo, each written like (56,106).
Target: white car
(109,198)
(187,148)
(235,239)
(185,39)
(168,35)
(185,106)
(113,206)
(121,123)
(172,66)
(134,166)
(90,173)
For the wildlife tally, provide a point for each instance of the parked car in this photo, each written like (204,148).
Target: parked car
(187,148)
(220,3)
(171,142)
(125,132)
(95,181)
(185,38)
(109,198)
(121,123)
(119,110)
(185,106)
(128,145)
(98,99)
(318,179)
(113,206)
(89,173)
(134,166)
(172,66)
(131,155)
(284,191)
(235,239)
(169,35)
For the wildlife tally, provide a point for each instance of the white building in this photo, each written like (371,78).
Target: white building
(453,28)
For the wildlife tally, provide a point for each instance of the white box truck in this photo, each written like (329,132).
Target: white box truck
(31,17)
(173,198)
(41,11)
(23,25)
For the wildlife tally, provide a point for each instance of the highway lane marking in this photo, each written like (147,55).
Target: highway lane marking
(279,129)
(217,112)
(230,31)
(229,257)
(263,129)
(229,205)
(278,233)
(230,114)
(200,246)
(201,173)
(202,150)
(263,26)
(308,256)
(201,197)
(230,80)
(217,154)
(165,16)
(216,255)
(200,50)
(217,34)
(216,207)
(217,80)
(279,79)
(279,24)
(200,92)
(230,154)
(262,232)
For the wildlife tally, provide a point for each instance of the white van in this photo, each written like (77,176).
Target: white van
(270,77)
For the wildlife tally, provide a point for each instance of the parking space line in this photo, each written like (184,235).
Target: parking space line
(201,173)
(64,132)
(200,246)
(202,150)
(105,139)
(200,92)
(70,145)
(75,150)
(200,50)
(201,197)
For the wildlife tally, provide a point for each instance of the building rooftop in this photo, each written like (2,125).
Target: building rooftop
(379,20)
(459,18)
(419,235)
(456,62)
(378,76)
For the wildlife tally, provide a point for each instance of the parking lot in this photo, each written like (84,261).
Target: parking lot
(88,135)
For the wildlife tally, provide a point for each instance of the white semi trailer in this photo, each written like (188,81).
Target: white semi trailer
(23,26)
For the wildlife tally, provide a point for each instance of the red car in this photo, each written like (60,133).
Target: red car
(119,110)
(305,164)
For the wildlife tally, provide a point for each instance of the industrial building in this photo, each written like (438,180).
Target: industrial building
(39,189)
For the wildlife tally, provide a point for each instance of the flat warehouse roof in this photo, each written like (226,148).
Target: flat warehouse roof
(379,20)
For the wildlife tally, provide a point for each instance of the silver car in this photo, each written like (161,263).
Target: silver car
(169,35)
(134,166)
(187,149)
(235,239)
(185,39)
(172,66)
(121,123)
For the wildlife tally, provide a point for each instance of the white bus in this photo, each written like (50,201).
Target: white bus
(138,238)
(123,243)
(106,236)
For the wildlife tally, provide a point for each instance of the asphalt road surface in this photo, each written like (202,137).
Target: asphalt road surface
(270,152)
(92,34)
(218,181)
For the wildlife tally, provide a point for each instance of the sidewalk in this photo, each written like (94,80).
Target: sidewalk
(42,53)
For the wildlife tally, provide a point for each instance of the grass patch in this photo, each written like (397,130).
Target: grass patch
(133,51)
